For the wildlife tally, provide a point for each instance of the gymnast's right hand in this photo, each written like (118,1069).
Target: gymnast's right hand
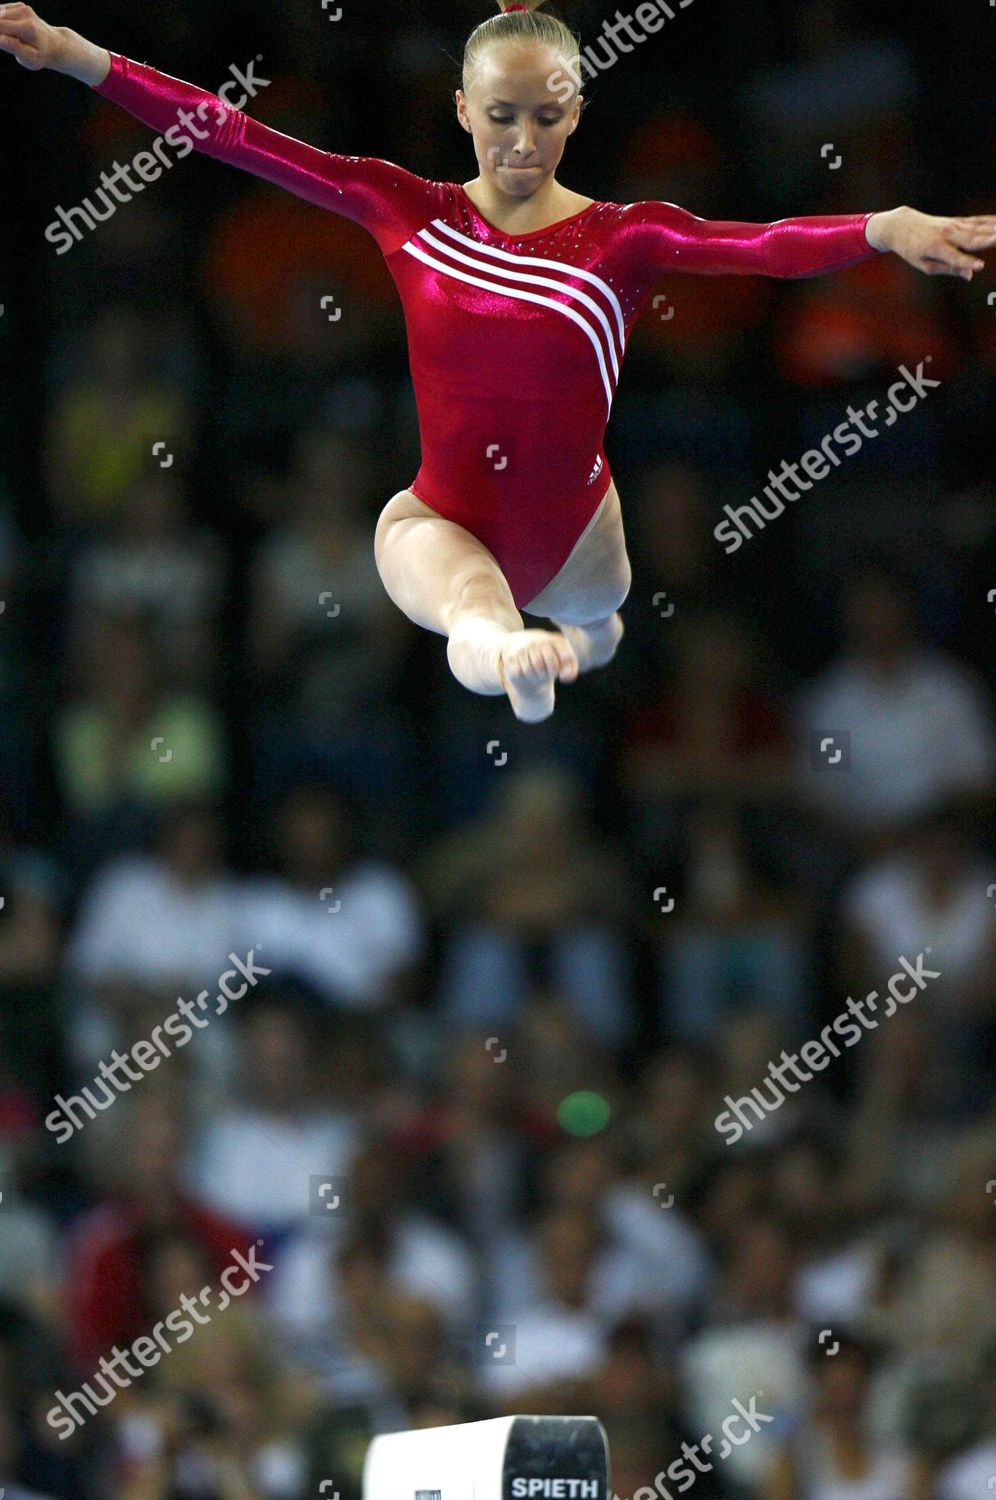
(38,45)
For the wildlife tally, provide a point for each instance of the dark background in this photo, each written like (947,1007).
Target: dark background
(496,906)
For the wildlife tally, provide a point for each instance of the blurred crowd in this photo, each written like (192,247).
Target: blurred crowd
(464,1112)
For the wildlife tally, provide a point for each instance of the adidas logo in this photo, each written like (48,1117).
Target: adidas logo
(596,470)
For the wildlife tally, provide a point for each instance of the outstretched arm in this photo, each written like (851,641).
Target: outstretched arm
(384,198)
(668,238)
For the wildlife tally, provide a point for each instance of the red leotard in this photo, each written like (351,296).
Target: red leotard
(515,341)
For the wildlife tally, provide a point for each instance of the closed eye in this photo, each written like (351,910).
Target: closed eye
(507,120)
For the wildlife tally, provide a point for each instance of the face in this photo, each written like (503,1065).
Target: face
(514,108)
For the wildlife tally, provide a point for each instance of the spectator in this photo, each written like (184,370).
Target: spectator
(753,1344)
(29,1266)
(946,1302)
(129,745)
(221,1415)
(911,722)
(346,924)
(125,972)
(933,886)
(258,1159)
(738,940)
(422,1257)
(470,1145)
(559,1337)
(531,883)
(103,424)
(832,1452)
(105,1301)
(154,566)
(962,1475)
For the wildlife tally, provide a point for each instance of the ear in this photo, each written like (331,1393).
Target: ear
(577,116)
(461,108)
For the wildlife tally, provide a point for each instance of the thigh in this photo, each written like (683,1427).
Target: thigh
(427,562)
(596,577)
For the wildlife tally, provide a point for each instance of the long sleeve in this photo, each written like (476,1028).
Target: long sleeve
(384,198)
(666,238)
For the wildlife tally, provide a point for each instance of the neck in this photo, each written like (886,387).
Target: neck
(549,203)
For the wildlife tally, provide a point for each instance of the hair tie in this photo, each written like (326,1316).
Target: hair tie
(514,7)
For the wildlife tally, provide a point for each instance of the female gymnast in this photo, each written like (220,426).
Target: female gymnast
(519,295)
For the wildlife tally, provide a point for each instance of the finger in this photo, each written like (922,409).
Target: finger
(26,29)
(974,238)
(937,266)
(957,258)
(20,51)
(964,270)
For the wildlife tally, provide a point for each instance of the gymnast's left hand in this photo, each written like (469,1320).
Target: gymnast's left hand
(932,243)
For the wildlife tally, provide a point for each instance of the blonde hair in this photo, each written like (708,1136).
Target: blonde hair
(529,25)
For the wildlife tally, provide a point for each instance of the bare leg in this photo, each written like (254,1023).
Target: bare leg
(447,581)
(583,599)
(595,643)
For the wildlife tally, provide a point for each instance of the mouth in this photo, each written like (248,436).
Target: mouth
(511,167)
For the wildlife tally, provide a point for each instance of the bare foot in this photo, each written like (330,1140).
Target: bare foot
(594,645)
(529,663)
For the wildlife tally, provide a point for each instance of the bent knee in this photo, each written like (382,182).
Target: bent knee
(624,582)
(401,507)
(613,589)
